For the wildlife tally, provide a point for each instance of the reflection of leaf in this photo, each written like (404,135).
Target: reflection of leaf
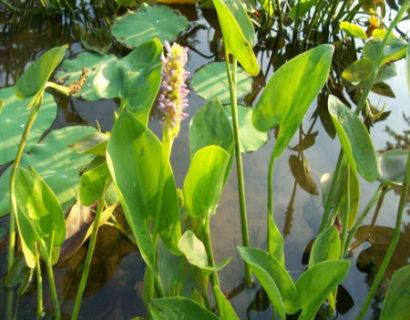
(151,22)
(383,89)
(391,165)
(99,41)
(211,82)
(395,49)
(358,71)
(307,141)
(301,171)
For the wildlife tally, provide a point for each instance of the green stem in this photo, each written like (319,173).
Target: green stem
(39,286)
(209,251)
(87,262)
(63,89)
(393,243)
(53,290)
(345,221)
(238,156)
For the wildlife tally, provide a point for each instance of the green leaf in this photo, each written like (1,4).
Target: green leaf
(358,71)
(353,30)
(210,126)
(193,249)
(326,247)
(204,181)
(57,164)
(395,49)
(95,143)
(239,12)
(275,241)
(354,138)
(301,8)
(235,41)
(250,139)
(39,216)
(226,311)
(211,82)
(396,304)
(391,165)
(151,22)
(315,285)
(177,308)
(13,119)
(135,78)
(37,74)
(134,157)
(287,96)
(92,184)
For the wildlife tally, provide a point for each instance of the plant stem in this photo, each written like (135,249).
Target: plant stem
(238,156)
(11,7)
(209,251)
(345,221)
(53,290)
(393,243)
(87,262)
(39,286)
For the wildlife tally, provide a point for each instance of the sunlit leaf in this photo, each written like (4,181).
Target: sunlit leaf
(226,311)
(326,247)
(177,308)
(95,143)
(235,40)
(93,183)
(353,30)
(211,82)
(39,217)
(159,22)
(287,96)
(358,71)
(301,172)
(237,9)
(13,119)
(354,138)
(204,181)
(396,304)
(391,165)
(37,74)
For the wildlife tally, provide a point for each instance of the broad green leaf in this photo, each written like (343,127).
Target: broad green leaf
(98,40)
(210,126)
(315,285)
(353,30)
(134,157)
(301,172)
(272,266)
(395,49)
(358,71)
(277,285)
(92,184)
(57,164)
(396,304)
(39,217)
(135,78)
(354,138)
(226,311)
(235,41)
(211,82)
(239,12)
(301,8)
(204,181)
(13,119)
(177,308)
(95,143)
(37,74)
(151,22)
(326,247)
(287,96)
(250,139)
(391,165)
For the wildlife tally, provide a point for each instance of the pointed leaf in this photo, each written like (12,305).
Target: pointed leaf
(326,247)
(239,12)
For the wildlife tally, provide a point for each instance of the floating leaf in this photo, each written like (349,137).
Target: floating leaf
(383,89)
(396,304)
(250,139)
(204,181)
(353,30)
(301,171)
(39,217)
(358,71)
(235,40)
(391,165)
(95,143)
(326,247)
(159,22)
(99,41)
(13,119)
(58,165)
(212,82)
(354,138)
(177,308)
(287,96)
(37,74)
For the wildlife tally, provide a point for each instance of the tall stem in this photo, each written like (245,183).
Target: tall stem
(238,156)
(39,286)
(393,243)
(209,251)
(53,290)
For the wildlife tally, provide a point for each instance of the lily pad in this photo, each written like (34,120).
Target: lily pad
(211,82)
(57,164)
(13,119)
(151,22)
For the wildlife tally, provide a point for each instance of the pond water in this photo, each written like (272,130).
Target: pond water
(114,289)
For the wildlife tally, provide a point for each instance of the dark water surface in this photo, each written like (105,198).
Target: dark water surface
(114,289)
